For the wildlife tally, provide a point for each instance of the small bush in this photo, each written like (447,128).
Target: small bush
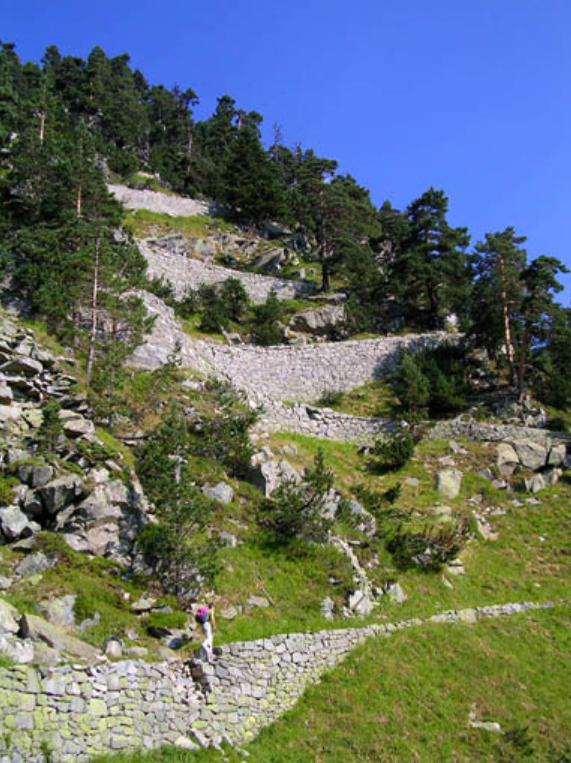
(330,398)
(7,485)
(226,436)
(435,379)
(395,452)
(51,428)
(296,511)
(429,545)
(266,328)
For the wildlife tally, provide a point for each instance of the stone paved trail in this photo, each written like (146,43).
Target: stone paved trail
(79,711)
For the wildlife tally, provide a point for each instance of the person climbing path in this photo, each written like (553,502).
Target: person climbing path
(206,618)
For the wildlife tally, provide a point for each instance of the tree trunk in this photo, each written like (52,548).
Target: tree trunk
(508,341)
(78,200)
(522,364)
(42,125)
(93,336)
(325,276)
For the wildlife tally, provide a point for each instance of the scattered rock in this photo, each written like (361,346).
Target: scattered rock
(59,611)
(395,592)
(144,604)
(258,601)
(360,603)
(137,651)
(113,648)
(534,484)
(364,521)
(184,743)
(15,649)
(228,539)
(33,565)
(9,618)
(448,482)
(327,608)
(455,567)
(412,482)
(557,455)
(229,612)
(220,492)
(5,582)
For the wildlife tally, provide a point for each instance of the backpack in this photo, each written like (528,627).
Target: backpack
(202,614)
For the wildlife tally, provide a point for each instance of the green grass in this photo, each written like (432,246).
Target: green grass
(518,565)
(374,399)
(294,579)
(190,326)
(115,446)
(408,698)
(143,222)
(140,181)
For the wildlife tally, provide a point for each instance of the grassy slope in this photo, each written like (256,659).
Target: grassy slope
(408,698)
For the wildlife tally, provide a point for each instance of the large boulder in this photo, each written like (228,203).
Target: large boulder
(221,492)
(557,454)
(60,492)
(507,459)
(270,475)
(319,321)
(532,455)
(35,475)
(14,523)
(37,629)
(448,482)
(23,365)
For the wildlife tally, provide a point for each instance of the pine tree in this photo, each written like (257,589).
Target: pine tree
(431,274)
(498,264)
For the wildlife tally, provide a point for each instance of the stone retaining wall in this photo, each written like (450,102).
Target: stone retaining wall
(469,429)
(177,206)
(184,272)
(69,714)
(323,423)
(279,373)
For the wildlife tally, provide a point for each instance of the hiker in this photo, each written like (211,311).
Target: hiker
(206,618)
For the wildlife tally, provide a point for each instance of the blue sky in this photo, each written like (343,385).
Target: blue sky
(468,96)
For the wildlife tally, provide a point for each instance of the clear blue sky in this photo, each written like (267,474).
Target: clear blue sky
(471,96)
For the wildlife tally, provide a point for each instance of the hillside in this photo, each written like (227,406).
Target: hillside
(206,397)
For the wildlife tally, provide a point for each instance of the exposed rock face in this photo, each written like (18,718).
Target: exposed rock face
(96,513)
